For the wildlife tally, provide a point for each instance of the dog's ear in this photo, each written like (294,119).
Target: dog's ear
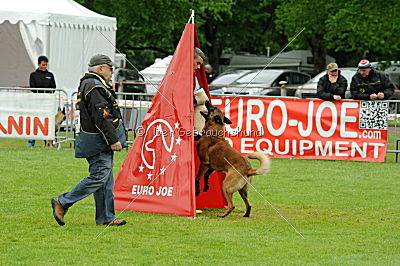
(227,121)
(204,115)
(218,120)
(208,105)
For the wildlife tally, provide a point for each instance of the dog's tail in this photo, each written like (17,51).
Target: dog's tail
(265,163)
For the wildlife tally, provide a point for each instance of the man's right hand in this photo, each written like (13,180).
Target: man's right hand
(337,97)
(373,96)
(116,146)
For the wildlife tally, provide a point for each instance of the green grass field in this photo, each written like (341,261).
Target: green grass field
(348,213)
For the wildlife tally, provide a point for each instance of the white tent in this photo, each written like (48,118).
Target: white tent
(68,33)
(155,73)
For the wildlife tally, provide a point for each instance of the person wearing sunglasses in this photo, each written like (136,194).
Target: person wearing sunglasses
(332,86)
(370,84)
(101,132)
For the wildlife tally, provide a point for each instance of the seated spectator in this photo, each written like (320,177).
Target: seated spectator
(370,84)
(333,85)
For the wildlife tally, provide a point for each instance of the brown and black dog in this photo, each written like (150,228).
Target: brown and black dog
(60,117)
(216,154)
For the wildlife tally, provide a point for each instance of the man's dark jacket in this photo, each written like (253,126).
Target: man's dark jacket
(42,79)
(361,88)
(326,89)
(99,111)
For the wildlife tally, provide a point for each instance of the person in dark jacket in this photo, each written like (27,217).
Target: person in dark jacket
(333,85)
(370,84)
(100,135)
(41,78)
(209,73)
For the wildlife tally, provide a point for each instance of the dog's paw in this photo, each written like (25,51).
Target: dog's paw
(247,214)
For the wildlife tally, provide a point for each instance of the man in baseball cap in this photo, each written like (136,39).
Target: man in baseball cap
(101,133)
(101,59)
(364,64)
(370,84)
(333,85)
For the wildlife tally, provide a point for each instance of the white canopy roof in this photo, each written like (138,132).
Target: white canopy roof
(158,68)
(155,73)
(52,12)
(64,31)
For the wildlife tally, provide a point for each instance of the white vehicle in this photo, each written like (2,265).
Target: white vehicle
(255,81)
(227,78)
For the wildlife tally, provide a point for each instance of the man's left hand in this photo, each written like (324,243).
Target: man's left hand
(116,146)
(381,95)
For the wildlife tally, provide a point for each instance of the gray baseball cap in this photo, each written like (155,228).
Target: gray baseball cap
(101,59)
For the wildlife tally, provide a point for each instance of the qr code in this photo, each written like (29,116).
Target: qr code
(373,115)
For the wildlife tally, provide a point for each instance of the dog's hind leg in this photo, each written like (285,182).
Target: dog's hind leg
(243,194)
(228,196)
(200,173)
(206,177)
(231,207)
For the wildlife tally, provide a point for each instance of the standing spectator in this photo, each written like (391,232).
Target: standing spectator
(101,133)
(209,73)
(41,78)
(370,84)
(333,85)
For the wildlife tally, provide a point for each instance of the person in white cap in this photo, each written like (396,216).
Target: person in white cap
(332,86)
(370,84)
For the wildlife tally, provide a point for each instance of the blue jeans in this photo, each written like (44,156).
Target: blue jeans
(31,142)
(100,183)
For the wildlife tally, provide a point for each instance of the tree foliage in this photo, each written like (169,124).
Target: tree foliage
(348,30)
(146,29)
(345,29)
(366,29)
(311,15)
(149,29)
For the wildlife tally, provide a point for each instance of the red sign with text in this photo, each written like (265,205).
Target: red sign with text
(157,176)
(307,129)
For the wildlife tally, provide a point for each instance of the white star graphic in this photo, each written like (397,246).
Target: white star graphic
(149,175)
(176,124)
(173,157)
(141,167)
(178,140)
(162,170)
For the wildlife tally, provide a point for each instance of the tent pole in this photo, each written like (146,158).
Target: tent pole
(191,19)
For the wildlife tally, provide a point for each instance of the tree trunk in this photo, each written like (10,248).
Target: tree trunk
(210,29)
(318,49)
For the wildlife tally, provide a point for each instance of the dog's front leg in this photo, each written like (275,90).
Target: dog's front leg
(206,178)
(203,153)
(200,173)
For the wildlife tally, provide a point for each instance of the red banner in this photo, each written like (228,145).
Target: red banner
(157,176)
(307,129)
